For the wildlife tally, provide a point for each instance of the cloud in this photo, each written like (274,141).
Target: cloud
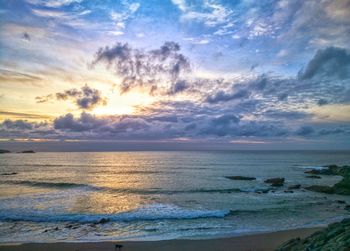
(26,36)
(160,68)
(322,102)
(221,96)
(332,62)
(53,3)
(305,131)
(24,115)
(17,124)
(210,14)
(291,115)
(23,129)
(84,123)
(9,76)
(179,86)
(85,98)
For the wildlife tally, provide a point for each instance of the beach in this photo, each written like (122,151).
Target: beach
(261,242)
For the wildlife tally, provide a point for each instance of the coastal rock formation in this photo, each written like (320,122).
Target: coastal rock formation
(27,151)
(7,174)
(103,221)
(320,189)
(313,177)
(240,178)
(342,187)
(275,182)
(4,151)
(297,186)
(335,237)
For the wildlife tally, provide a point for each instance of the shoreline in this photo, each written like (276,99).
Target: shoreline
(263,241)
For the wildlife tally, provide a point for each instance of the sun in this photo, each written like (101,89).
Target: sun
(124,104)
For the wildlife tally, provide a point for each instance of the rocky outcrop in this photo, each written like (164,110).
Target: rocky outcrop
(28,151)
(335,237)
(275,182)
(313,177)
(240,178)
(7,174)
(342,187)
(4,151)
(320,189)
(297,186)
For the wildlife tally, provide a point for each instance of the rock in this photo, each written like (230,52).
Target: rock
(341,201)
(347,207)
(56,229)
(342,187)
(28,151)
(70,226)
(103,221)
(319,172)
(118,246)
(320,189)
(13,173)
(260,191)
(297,186)
(335,237)
(240,178)
(276,182)
(288,191)
(313,177)
(4,151)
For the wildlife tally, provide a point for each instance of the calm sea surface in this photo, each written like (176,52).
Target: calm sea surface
(160,195)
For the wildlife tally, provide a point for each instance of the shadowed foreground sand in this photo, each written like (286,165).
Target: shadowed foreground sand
(261,242)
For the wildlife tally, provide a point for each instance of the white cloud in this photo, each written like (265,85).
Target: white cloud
(53,3)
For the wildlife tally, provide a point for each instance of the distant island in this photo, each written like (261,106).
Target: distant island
(7,151)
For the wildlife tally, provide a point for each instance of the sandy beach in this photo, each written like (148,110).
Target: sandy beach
(261,242)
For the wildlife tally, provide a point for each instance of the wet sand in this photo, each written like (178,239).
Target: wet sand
(261,242)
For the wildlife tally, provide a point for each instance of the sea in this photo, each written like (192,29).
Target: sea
(103,196)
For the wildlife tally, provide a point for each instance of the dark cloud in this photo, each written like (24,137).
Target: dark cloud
(241,90)
(282,96)
(334,131)
(291,115)
(85,98)
(305,131)
(179,86)
(17,125)
(140,68)
(220,126)
(85,122)
(327,63)
(26,36)
(322,102)
(44,99)
(24,129)
(222,96)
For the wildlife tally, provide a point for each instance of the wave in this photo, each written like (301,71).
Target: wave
(59,185)
(275,210)
(311,167)
(68,185)
(144,213)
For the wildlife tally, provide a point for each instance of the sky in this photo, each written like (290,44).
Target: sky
(174,74)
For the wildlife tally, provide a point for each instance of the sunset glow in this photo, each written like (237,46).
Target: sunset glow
(206,70)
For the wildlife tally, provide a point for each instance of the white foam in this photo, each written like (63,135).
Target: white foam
(147,212)
(313,167)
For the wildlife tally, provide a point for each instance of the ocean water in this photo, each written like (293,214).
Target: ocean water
(160,195)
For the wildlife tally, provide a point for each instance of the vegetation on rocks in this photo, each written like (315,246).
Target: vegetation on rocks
(342,187)
(335,237)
